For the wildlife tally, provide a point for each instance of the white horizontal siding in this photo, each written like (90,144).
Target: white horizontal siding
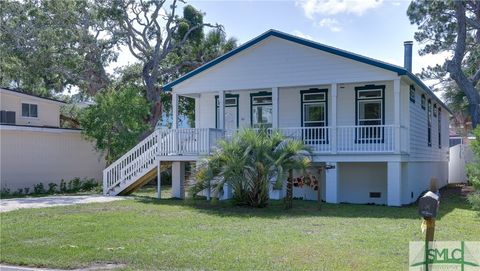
(275,62)
(419,149)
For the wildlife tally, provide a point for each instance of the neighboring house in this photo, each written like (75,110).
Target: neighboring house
(35,149)
(383,131)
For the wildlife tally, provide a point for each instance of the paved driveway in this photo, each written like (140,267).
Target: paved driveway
(42,202)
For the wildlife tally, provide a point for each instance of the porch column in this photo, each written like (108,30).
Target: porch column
(331,184)
(275,108)
(174,111)
(178,180)
(396,114)
(197,112)
(221,109)
(159,181)
(394,183)
(333,122)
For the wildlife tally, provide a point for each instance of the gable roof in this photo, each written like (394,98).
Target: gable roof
(319,46)
(17,91)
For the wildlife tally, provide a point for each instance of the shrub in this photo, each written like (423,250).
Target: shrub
(27,190)
(249,163)
(5,192)
(63,186)
(39,189)
(88,185)
(52,187)
(473,172)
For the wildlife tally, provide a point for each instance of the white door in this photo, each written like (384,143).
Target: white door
(231,119)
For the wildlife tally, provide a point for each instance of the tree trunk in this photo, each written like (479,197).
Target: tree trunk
(454,66)
(153,96)
(288,201)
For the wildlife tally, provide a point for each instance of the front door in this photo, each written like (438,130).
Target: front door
(231,112)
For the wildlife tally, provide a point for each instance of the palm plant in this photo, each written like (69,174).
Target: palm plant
(249,162)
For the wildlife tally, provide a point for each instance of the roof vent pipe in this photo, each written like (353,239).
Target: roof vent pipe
(407,55)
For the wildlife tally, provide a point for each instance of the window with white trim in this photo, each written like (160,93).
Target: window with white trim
(29,110)
(439,127)
(412,93)
(429,123)
(423,101)
(261,108)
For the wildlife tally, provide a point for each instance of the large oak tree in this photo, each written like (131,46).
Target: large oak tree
(452,26)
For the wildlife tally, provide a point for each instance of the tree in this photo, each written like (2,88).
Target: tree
(50,45)
(454,27)
(249,163)
(152,30)
(473,172)
(116,120)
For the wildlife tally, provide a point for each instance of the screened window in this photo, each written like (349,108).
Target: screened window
(435,110)
(412,94)
(261,110)
(429,123)
(424,101)
(439,128)
(29,110)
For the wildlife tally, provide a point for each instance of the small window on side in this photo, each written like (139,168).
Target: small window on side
(412,94)
(29,110)
(424,101)
(435,110)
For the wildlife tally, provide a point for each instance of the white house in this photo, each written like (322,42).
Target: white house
(378,125)
(35,149)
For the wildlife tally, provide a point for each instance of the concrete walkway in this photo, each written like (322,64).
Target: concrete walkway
(7,205)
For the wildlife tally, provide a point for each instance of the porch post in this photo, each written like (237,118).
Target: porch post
(178,179)
(159,181)
(394,183)
(333,123)
(197,112)
(396,114)
(275,108)
(331,184)
(174,111)
(221,108)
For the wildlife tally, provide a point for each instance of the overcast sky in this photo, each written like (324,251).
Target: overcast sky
(372,28)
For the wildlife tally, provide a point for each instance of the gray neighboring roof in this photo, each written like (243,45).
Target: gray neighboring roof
(333,50)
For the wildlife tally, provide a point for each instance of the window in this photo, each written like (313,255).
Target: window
(231,111)
(439,127)
(29,110)
(412,93)
(424,100)
(435,110)
(370,113)
(7,117)
(261,109)
(314,114)
(429,123)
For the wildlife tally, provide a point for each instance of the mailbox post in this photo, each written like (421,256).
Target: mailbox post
(428,209)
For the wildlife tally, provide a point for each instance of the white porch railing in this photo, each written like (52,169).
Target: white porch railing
(162,142)
(132,163)
(317,138)
(365,138)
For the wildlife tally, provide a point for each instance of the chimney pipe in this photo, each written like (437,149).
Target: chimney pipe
(407,55)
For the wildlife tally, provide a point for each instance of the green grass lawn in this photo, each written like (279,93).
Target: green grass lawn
(145,233)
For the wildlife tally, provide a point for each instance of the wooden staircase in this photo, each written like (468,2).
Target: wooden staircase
(133,169)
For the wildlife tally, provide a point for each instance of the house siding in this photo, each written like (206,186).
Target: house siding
(48,112)
(419,149)
(276,62)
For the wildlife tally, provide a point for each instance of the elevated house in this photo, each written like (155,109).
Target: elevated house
(381,130)
(35,149)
